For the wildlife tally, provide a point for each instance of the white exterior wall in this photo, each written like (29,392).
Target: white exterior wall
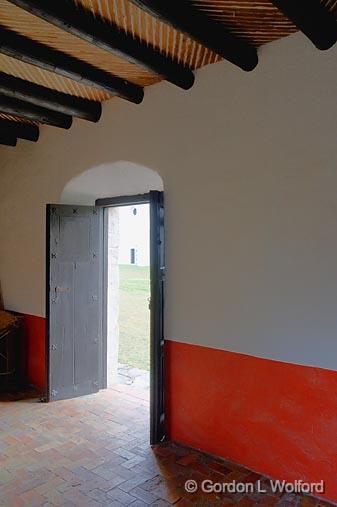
(249,165)
(134,233)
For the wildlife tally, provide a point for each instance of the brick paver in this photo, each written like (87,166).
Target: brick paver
(94,451)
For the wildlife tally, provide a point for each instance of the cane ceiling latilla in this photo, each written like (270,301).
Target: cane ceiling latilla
(68,56)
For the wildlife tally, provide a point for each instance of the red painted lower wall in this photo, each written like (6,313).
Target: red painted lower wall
(276,418)
(35,335)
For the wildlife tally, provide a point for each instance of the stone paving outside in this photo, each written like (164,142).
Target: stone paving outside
(131,376)
(94,451)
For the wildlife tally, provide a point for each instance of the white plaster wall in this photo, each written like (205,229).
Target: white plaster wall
(249,165)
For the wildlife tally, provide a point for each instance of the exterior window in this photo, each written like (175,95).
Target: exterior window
(133,256)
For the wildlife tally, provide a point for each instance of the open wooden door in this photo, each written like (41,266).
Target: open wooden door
(74,300)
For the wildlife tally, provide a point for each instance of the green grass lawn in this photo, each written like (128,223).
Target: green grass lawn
(134,316)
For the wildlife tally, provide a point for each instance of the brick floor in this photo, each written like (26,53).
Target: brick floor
(93,451)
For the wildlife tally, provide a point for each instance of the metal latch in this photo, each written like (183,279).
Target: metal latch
(62,289)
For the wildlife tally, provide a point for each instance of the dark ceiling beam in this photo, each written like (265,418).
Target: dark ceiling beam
(26,131)
(314,19)
(186,18)
(7,139)
(22,48)
(95,30)
(33,112)
(56,101)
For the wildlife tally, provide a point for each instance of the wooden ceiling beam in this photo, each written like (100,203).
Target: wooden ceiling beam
(26,131)
(95,30)
(32,112)
(313,18)
(51,99)
(29,51)
(7,139)
(214,35)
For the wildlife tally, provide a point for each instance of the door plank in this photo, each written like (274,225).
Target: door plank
(75,252)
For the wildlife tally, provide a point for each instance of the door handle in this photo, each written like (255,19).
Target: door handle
(62,290)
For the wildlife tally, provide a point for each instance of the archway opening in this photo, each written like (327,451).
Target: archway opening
(128,198)
(109,180)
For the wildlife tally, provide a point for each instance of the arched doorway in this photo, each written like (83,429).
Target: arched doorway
(110,180)
(79,290)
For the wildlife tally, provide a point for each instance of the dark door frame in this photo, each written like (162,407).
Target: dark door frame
(157,276)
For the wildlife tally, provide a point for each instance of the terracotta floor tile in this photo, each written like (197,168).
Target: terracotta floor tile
(93,451)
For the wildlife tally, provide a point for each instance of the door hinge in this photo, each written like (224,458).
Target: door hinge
(54,347)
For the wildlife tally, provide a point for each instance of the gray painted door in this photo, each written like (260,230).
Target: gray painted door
(74,300)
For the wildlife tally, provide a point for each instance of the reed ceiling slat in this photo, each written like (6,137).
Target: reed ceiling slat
(5,116)
(39,30)
(49,79)
(153,32)
(331,5)
(256,21)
